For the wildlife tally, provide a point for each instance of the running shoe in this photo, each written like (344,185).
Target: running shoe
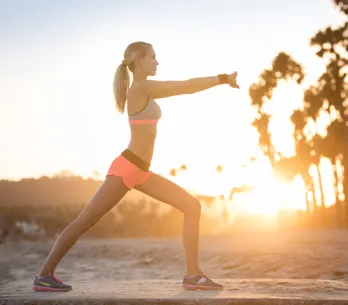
(49,283)
(200,281)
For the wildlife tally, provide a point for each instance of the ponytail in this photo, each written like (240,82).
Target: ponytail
(121,86)
(122,78)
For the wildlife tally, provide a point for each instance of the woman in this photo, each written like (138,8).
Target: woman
(132,168)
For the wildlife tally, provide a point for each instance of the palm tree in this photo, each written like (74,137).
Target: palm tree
(283,68)
(330,147)
(342,5)
(330,94)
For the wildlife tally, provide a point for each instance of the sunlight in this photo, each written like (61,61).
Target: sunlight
(287,97)
(295,195)
(264,195)
(267,197)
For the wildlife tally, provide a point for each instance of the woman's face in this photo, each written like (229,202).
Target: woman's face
(148,64)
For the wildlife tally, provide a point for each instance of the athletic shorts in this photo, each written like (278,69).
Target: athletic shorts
(132,169)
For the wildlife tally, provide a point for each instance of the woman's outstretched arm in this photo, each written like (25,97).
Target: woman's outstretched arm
(162,89)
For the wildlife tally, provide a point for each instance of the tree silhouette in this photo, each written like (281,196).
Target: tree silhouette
(303,157)
(342,5)
(283,68)
(328,95)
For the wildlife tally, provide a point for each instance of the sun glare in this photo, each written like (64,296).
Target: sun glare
(264,194)
(266,198)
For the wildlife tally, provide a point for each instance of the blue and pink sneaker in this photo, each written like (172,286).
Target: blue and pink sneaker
(50,283)
(200,281)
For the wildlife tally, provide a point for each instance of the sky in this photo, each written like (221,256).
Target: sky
(58,58)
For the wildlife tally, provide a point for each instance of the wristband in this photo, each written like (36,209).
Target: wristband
(223,78)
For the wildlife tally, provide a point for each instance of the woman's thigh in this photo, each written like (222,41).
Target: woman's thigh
(162,189)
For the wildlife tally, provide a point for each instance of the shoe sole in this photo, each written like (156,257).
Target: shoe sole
(196,287)
(49,289)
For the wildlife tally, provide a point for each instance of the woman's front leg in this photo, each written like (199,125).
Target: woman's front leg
(162,189)
(170,193)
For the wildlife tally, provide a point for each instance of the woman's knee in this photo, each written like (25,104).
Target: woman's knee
(194,208)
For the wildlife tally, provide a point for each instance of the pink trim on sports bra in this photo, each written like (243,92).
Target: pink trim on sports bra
(137,122)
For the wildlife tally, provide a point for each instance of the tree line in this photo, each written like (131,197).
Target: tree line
(327,97)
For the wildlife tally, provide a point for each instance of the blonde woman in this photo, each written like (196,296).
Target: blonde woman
(131,169)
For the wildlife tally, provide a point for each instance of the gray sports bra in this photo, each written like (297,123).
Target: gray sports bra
(149,115)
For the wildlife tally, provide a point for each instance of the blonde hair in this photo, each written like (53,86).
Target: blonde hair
(133,52)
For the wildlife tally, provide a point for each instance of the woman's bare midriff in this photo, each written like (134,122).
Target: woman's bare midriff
(143,137)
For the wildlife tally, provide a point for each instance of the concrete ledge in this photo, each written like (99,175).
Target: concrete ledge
(241,292)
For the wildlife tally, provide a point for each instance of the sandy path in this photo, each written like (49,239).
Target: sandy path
(311,255)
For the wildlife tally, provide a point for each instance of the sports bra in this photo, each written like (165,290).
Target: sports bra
(149,115)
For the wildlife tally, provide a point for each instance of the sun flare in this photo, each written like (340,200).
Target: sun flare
(261,192)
